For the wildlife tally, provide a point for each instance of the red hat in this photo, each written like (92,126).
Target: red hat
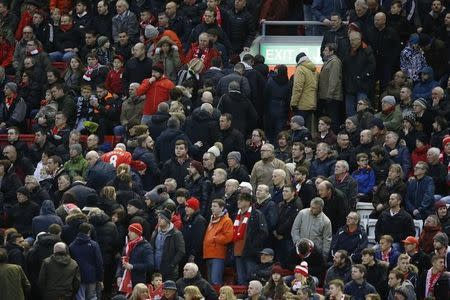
(119,57)
(193,203)
(138,165)
(411,240)
(136,228)
(439,204)
(302,269)
(446,140)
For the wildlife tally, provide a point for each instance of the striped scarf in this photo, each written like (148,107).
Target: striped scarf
(240,228)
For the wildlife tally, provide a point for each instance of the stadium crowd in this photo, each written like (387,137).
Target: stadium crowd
(168,162)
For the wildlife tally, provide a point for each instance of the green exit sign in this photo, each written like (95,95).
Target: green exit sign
(280,53)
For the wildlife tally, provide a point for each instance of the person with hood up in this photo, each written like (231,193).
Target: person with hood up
(74,219)
(166,51)
(23,212)
(59,276)
(47,216)
(240,107)
(426,84)
(304,98)
(412,59)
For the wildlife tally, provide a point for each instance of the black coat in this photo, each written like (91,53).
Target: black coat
(385,45)
(198,188)
(173,253)
(441,288)
(241,29)
(107,237)
(10,184)
(270,212)
(241,108)
(204,286)
(337,37)
(152,174)
(193,232)
(68,39)
(287,211)
(21,217)
(70,229)
(358,70)
(232,140)
(256,235)
(240,173)
(398,226)
(157,124)
(136,70)
(202,126)
(336,209)
(173,169)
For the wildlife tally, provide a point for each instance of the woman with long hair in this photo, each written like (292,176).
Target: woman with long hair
(140,292)
(275,288)
(253,147)
(74,74)
(226,293)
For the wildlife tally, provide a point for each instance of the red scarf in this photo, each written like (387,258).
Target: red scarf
(10,100)
(89,71)
(431,281)
(126,286)
(385,255)
(66,27)
(204,54)
(240,228)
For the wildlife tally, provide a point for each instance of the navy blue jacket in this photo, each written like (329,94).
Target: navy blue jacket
(99,175)
(87,254)
(420,195)
(352,242)
(359,292)
(324,168)
(46,218)
(142,260)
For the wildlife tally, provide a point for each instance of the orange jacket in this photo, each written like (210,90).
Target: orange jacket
(217,236)
(155,93)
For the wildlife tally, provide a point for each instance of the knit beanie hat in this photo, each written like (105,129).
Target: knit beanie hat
(234,155)
(11,86)
(389,100)
(446,140)
(165,214)
(442,238)
(302,269)
(298,120)
(214,150)
(151,32)
(420,101)
(193,203)
(136,228)
(24,191)
(136,203)
(102,40)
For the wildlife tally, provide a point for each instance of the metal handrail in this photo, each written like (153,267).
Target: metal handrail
(264,23)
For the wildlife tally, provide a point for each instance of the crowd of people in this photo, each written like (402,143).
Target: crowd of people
(168,161)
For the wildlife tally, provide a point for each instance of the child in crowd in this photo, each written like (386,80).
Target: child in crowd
(364,176)
(114,82)
(156,287)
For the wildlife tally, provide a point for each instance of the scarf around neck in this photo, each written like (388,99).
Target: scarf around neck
(240,228)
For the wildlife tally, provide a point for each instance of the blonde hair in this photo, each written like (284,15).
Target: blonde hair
(228,292)
(108,192)
(193,292)
(138,290)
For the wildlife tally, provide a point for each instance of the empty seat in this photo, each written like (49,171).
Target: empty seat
(371,231)
(364,209)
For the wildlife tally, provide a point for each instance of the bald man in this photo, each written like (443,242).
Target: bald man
(385,43)
(99,173)
(59,280)
(138,67)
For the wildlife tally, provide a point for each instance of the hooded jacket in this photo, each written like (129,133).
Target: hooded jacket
(304,96)
(59,277)
(107,236)
(423,88)
(47,216)
(87,254)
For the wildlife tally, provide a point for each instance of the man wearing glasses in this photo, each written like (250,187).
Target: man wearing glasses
(420,193)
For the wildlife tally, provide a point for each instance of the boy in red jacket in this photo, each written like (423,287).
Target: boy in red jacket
(113,81)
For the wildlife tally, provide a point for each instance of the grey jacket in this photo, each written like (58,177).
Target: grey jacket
(316,228)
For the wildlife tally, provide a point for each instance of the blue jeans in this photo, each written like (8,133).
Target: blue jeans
(215,270)
(87,291)
(350,102)
(244,267)
(61,56)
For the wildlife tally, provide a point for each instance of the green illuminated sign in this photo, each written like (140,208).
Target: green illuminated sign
(278,53)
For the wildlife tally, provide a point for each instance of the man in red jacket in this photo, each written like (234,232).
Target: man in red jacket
(156,90)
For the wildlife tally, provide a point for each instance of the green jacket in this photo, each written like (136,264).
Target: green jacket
(392,121)
(13,282)
(76,166)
